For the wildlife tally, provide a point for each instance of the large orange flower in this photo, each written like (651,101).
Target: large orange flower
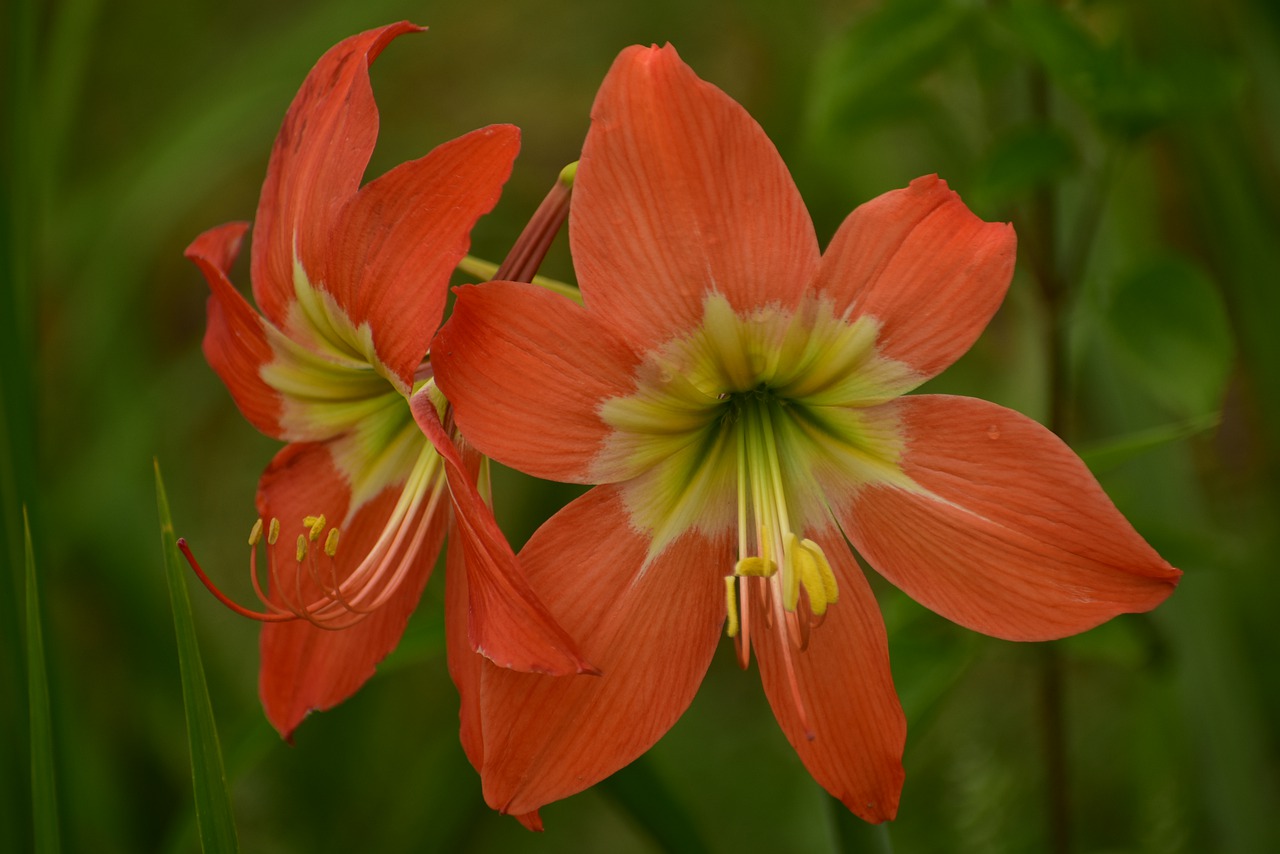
(352,282)
(740,396)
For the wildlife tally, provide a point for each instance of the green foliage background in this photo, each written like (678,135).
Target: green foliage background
(1134,145)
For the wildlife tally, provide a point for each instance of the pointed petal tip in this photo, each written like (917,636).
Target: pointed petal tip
(219,246)
(531,820)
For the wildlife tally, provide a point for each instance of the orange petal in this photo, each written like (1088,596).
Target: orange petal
(526,371)
(843,681)
(925,266)
(652,630)
(316,165)
(508,624)
(1010,534)
(399,239)
(679,193)
(235,340)
(304,667)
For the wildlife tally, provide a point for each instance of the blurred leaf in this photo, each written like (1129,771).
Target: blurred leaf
(1107,455)
(1020,161)
(647,800)
(855,836)
(862,77)
(1125,94)
(212,796)
(1169,326)
(44,791)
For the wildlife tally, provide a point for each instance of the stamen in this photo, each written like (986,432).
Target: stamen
(755,566)
(332,603)
(316,523)
(731,604)
(814,572)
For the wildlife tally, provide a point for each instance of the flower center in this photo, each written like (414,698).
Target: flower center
(757,423)
(768,546)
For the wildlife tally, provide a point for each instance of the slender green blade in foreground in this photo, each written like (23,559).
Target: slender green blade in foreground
(44,791)
(213,798)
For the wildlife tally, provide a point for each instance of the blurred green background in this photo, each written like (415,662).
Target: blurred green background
(1134,145)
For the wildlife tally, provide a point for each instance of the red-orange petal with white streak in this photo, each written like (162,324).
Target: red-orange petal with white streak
(679,194)
(508,624)
(305,668)
(1010,535)
(235,340)
(399,239)
(923,265)
(844,684)
(651,630)
(316,166)
(526,372)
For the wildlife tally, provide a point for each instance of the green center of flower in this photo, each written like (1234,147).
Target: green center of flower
(758,423)
(334,391)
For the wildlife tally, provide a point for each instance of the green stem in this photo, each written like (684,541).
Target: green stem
(486,270)
(1054,289)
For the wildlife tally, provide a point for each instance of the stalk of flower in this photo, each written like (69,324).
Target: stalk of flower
(741,398)
(351,281)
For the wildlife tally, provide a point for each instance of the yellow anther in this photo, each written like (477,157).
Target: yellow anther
(790,577)
(273,531)
(824,567)
(816,576)
(755,566)
(255,535)
(731,605)
(331,542)
(316,524)
(302,548)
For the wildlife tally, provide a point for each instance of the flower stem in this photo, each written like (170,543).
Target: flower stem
(487,270)
(1054,289)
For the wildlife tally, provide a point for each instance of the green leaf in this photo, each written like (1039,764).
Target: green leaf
(212,795)
(1107,455)
(862,78)
(44,791)
(1169,326)
(645,797)
(1021,161)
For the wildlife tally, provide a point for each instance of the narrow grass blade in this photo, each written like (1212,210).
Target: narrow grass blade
(214,817)
(44,791)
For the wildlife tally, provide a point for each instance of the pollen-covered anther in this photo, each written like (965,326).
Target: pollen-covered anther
(731,605)
(315,524)
(816,576)
(302,548)
(255,534)
(755,567)
(331,542)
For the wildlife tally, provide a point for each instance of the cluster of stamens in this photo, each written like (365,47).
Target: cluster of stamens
(794,573)
(313,590)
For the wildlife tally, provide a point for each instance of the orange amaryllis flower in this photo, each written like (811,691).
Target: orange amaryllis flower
(740,396)
(351,282)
